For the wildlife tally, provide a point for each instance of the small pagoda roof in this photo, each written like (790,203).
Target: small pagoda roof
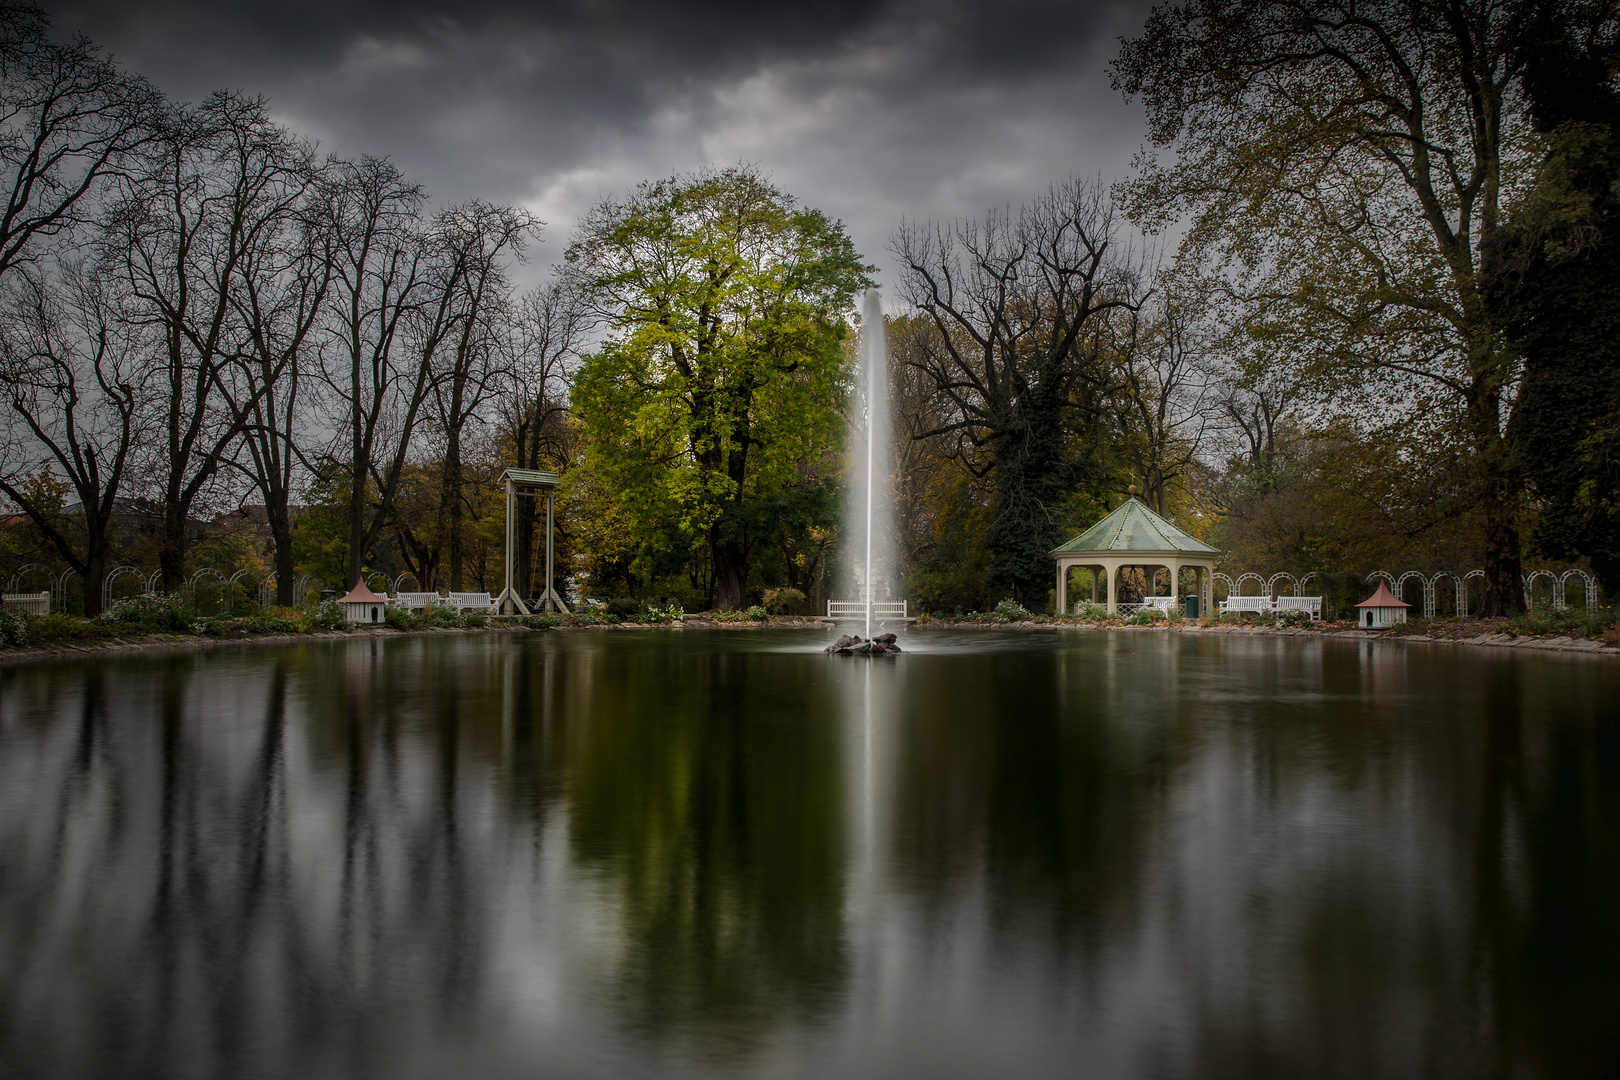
(1383,598)
(530,477)
(1134,528)
(361,595)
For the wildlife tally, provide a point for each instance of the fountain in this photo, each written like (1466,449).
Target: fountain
(873,565)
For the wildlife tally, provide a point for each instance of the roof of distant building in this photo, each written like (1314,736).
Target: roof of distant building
(1133,527)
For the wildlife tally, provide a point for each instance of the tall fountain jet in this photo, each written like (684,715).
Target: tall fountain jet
(871,559)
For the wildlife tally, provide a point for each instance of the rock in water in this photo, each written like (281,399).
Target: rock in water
(849,645)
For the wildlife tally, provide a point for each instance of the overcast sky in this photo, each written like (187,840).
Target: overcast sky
(870,111)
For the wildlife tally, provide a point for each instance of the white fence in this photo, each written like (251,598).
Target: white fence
(36,604)
(856,609)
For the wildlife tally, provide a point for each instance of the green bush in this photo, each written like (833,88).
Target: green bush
(14,628)
(327,615)
(442,617)
(624,607)
(1292,617)
(783,601)
(1543,619)
(473,618)
(158,613)
(400,618)
(270,622)
(757,614)
(1147,616)
(1010,610)
(546,621)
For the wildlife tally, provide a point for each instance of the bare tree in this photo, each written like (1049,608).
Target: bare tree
(548,329)
(1013,301)
(393,307)
(1163,395)
(71,367)
(69,119)
(475,240)
(278,297)
(225,179)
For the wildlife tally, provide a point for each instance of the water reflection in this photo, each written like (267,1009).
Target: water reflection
(690,854)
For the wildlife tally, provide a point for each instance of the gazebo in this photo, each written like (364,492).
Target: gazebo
(1133,535)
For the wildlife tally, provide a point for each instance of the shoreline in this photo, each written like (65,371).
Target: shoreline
(177,643)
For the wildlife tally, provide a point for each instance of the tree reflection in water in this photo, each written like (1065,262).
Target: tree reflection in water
(690,854)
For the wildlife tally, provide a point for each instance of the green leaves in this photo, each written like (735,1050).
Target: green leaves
(724,364)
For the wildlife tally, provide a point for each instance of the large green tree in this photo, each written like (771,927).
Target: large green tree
(723,367)
(1346,161)
(1557,285)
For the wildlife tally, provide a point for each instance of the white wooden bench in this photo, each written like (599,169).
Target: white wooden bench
(1258,604)
(1312,604)
(471,601)
(1166,604)
(417,601)
(36,604)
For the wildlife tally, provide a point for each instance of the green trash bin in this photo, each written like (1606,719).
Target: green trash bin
(1191,600)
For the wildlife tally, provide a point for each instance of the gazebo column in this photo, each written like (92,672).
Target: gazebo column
(1112,567)
(1062,587)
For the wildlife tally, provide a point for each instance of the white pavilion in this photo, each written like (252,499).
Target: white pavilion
(1133,535)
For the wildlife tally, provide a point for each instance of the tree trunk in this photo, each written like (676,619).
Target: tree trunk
(172,549)
(453,507)
(357,530)
(1500,494)
(286,576)
(95,572)
(730,573)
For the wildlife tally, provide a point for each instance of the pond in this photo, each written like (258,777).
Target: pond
(618,854)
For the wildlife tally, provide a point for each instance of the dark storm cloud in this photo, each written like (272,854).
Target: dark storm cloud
(870,111)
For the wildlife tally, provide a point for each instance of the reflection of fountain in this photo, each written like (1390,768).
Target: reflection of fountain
(871,568)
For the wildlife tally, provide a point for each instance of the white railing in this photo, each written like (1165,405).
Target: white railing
(36,604)
(1311,604)
(881,609)
(1260,604)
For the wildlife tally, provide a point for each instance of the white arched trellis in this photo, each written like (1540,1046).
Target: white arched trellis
(1423,583)
(116,573)
(369,578)
(1530,580)
(1248,575)
(1589,580)
(1461,607)
(397,585)
(152,582)
(207,573)
(230,591)
(14,585)
(1389,578)
(1217,576)
(301,586)
(61,587)
(1272,583)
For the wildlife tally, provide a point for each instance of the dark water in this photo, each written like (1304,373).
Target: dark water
(694,854)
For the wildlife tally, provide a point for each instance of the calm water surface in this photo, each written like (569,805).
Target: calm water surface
(727,854)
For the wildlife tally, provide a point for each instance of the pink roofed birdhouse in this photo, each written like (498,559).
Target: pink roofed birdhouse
(364,606)
(1381,609)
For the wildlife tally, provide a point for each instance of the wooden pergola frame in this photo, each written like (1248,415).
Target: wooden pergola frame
(535,483)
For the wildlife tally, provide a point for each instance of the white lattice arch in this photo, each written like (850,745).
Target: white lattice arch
(230,593)
(1428,598)
(400,580)
(1293,582)
(31,568)
(1248,575)
(1217,577)
(114,575)
(1457,582)
(207,573)
(1530,586)
(1586,579)
(152,582)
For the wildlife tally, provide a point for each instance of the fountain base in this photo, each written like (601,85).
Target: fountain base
(851,644)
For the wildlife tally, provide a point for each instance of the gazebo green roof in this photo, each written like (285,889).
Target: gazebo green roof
(1133,528)
(531,477)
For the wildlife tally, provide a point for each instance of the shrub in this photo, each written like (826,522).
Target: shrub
(160,613)
(275,621)
(400,618)
(669,614)
(442,617)
(1543,618)
(547,621)
(1147,616)
(623,607)
(14,627)
(1293,617)
(757,614)
(327,615)
(473,618)
(1090,609)
(58,625)
(1010,610)
(783,601)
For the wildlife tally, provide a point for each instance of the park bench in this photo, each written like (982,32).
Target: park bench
(1258,604)
(1166,604)
(1312,604)
(38,604)
(471,601)
(417,601)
